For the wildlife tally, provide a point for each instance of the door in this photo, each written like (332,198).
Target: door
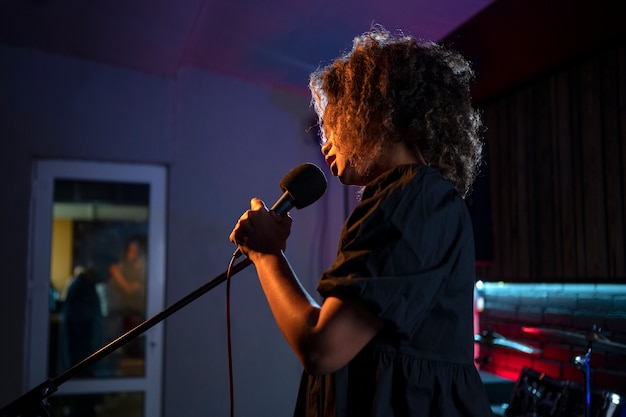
(97,259)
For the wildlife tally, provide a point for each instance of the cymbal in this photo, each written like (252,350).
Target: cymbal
(591,338)
(491,338)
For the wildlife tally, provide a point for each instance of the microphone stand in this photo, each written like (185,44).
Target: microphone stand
(32,404)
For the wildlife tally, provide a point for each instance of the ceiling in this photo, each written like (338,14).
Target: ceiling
(273,42)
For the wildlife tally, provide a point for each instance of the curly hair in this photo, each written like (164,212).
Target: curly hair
(390,89)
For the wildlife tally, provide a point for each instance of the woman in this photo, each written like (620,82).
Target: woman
(394,334)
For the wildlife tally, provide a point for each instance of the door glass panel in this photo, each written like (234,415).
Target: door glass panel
(98,273)
(83,216)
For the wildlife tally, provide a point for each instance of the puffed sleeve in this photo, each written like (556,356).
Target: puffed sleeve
(399,247)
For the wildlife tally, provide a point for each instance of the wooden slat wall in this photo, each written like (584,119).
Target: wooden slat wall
(557,149)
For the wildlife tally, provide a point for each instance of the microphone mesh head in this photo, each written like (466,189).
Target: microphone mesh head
(305,184)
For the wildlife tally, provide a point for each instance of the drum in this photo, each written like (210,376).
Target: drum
(601,403)
(538,395)
(607,404)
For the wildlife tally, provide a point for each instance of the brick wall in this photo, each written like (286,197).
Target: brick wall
(573,308)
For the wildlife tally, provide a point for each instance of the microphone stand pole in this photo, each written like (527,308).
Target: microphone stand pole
(32,404)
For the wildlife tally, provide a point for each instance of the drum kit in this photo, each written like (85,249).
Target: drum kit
(538,395)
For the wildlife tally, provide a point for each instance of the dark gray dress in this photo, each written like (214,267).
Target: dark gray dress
(407,251)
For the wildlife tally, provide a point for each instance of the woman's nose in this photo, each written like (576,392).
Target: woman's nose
(326,147)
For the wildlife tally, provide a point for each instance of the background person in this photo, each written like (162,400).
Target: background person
(127,295)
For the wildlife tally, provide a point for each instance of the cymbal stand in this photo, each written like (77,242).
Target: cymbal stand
(582,363)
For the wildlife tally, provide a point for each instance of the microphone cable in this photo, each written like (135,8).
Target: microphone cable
(301,187)
(229,347)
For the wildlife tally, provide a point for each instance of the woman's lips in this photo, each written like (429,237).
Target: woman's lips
(330,161)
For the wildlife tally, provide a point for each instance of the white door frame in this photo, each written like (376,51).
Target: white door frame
(44,174)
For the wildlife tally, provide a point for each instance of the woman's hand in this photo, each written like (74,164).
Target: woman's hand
(325,338)
(260,231)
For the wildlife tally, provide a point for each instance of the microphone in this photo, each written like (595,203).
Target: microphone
(302,186)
